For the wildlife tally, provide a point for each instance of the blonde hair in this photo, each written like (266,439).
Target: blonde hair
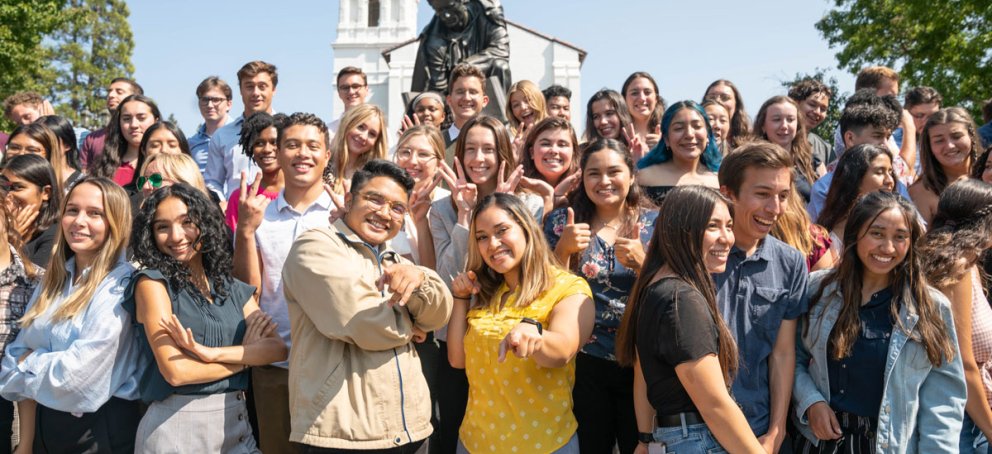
(179,167)
(532,93)
(117,214)
(794,226)
(339,147)
(537,266)
(430,132)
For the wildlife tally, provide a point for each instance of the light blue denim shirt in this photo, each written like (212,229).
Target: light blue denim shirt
(226,161)
(199,145)
(77,365)
(922,406)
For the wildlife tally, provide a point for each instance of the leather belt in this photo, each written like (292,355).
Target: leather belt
(676,420)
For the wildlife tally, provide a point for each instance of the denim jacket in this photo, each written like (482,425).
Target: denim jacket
(922,406)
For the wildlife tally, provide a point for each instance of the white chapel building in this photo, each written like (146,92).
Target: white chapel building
(381,38)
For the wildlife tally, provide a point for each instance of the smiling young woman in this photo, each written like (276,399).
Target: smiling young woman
(517,324)
(949,147)
(878,352)
(196,376)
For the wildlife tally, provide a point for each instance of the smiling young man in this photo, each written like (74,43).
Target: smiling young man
(466,98)
(763,289)
(264,235)
(353,88)
(356,304)
(213,97)
(813,98)
(257,82)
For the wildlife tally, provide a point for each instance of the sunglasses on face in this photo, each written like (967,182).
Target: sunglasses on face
(155,179)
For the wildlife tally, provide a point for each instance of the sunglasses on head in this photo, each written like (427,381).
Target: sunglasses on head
(155,179)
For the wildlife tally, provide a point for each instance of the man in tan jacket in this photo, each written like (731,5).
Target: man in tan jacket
(355,381)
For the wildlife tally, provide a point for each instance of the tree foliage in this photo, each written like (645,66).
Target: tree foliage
(91,48)
(23,26)
(829,125)
(946,45)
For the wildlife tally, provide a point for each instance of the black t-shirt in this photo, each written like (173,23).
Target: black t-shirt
(674,326)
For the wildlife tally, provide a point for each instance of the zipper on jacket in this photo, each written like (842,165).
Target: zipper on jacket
(396,357)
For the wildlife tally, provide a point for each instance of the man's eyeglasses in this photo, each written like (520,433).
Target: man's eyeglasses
(407,154)
(155,179)
(347,88)
(376,201)
(205,100)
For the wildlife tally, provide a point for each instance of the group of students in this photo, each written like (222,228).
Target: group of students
(680,280)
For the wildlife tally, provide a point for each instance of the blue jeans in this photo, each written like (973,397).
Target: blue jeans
(688,439)
(972,439)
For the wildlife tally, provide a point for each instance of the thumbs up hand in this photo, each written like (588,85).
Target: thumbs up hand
(574,237)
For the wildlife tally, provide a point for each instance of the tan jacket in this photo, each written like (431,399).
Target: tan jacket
(355,380)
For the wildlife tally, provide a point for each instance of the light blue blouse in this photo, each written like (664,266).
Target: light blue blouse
(77,365)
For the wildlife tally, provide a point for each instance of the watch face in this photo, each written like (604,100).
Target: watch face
(645,437)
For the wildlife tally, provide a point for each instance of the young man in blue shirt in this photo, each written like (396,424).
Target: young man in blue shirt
(763,290)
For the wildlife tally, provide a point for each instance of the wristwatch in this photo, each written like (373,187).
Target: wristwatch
(645,437)
(540,328)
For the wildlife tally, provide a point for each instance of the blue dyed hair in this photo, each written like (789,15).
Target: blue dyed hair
(711,157)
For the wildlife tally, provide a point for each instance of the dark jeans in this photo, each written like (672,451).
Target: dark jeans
(405,449)
(452,398)
(604,405)
(430,356)
(109,430)
(6,425)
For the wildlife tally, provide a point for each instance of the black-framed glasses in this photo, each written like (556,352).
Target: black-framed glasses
(155,179)
(376,201)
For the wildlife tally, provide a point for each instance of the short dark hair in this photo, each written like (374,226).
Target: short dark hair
(252,68)
(987,111)
(923,95)
(349,70)
(304,119)
(802,90)
(135,87)
(466,70)
(555,91)
(214,82)
(759,154)
(381,168)
(859,116)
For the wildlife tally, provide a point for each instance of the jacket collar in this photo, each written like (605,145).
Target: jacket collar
(350,236)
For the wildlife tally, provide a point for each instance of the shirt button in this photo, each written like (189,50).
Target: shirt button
(397,440)
(843,366)
(241,417)
(842,391)
(885,445)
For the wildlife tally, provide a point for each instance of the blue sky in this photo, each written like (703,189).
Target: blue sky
(684,45)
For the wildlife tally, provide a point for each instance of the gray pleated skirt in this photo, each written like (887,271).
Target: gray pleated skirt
(216,423)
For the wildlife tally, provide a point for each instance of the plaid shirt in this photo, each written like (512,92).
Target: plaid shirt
(15,293)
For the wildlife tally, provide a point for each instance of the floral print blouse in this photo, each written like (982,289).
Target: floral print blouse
(609,280)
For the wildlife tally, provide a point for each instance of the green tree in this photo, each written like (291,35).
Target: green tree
(22,58)
(91,48)
(826,129)
(945,45)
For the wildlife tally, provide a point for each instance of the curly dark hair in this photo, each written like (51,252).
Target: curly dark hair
(959,233)
(807,87)
(253,127)
(214,243)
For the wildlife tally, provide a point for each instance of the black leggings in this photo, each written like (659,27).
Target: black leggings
(604,405)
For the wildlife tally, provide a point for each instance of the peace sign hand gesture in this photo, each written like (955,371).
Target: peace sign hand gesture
(637,147)
(463,193)
(509,184)
(251,203)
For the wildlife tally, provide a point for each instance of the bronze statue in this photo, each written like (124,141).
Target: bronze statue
(472,31)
